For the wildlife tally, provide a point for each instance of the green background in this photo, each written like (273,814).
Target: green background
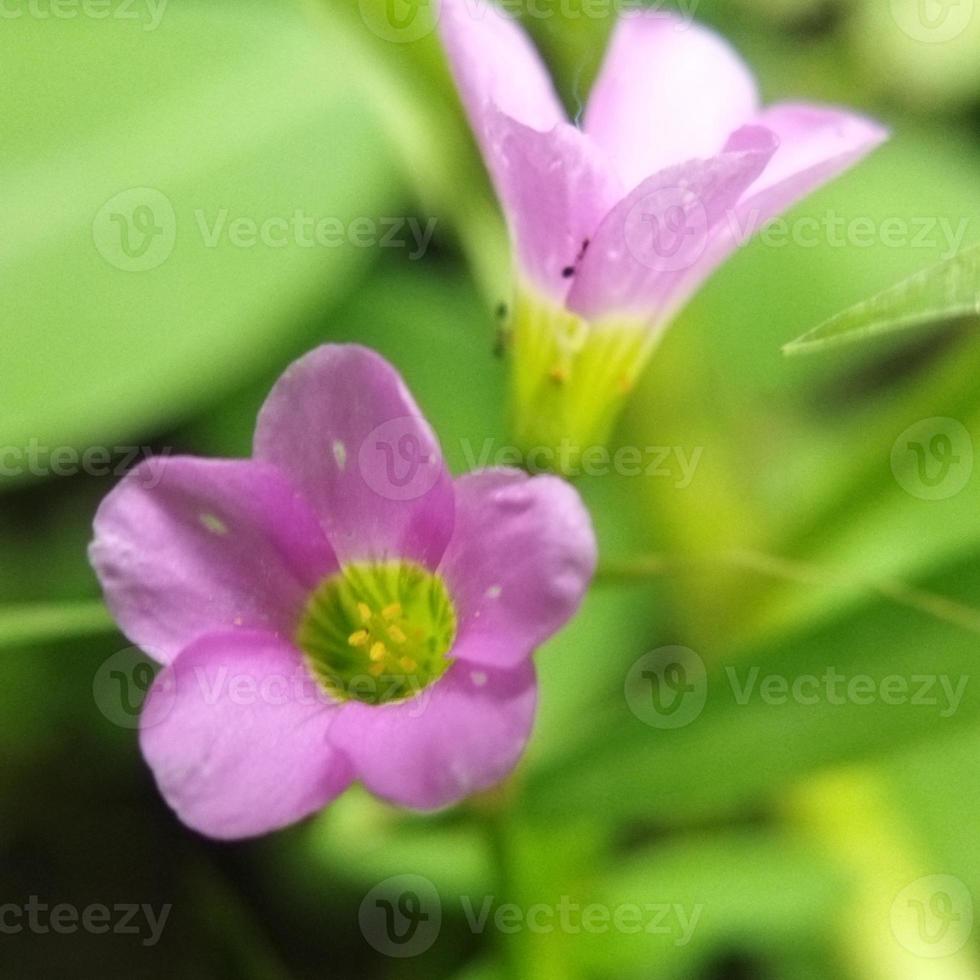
(790,829)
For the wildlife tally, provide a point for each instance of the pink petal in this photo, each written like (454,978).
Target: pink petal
(816,144)
(554,190)
(495,64)
(341,423)
(459,736)
(235,731)
(668,91)
(652,238)
(187,546)
(518,565)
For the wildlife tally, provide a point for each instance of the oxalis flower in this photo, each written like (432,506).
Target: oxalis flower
(336,608)
(616,224)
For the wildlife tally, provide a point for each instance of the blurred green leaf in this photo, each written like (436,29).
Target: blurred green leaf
(944,293)
(743,749)
(130,299)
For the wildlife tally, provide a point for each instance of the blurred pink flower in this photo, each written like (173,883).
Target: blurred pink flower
(615,224)
(336,608)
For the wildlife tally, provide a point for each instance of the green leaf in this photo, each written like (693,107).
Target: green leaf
(939,295)
(742,750)
(223,113)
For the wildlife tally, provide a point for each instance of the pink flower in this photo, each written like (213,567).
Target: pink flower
(616,224)
(336,608)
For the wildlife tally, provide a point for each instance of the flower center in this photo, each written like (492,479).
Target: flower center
(378,631)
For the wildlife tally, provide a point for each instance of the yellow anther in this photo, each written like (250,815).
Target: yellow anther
(379,651)
(408,664)
(396,634)
(358,639)
(375,669)
(558,374)
(364,610)
(392,612)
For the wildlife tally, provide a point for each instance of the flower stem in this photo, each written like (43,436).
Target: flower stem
(41,622)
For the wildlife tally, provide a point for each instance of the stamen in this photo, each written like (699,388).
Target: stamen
(397,635)
(378,651)
(364,610)
(358,639)
(392,611)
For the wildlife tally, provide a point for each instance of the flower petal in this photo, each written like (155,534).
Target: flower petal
(668,91)
(518,565)
(816,144)
(187,546)
(343,426)
(495,64)
(459,736)
(235,731)
(554,190)
(650,240)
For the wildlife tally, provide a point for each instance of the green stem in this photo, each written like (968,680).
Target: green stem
(41,622)
(494,822)
(798,572)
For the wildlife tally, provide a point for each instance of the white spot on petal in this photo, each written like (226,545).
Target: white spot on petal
(494,592)
(340,454)
(478,677)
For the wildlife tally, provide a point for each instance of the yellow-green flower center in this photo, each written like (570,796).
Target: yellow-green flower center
(378,631)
